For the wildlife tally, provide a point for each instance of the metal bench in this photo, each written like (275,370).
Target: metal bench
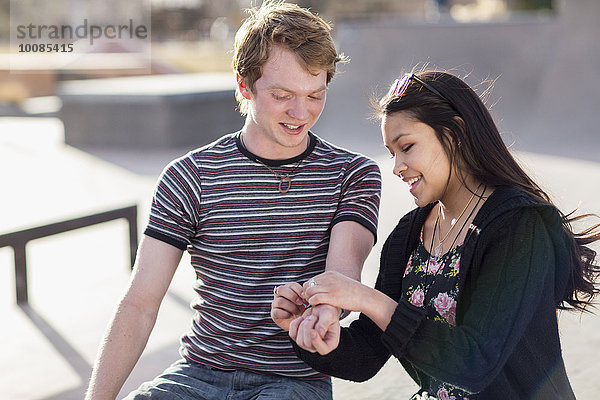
(18,240)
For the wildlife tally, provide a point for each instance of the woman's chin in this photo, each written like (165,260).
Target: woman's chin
(420,202)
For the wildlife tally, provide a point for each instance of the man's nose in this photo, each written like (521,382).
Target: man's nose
(299,109)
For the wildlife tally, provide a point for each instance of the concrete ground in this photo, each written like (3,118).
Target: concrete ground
(76,278)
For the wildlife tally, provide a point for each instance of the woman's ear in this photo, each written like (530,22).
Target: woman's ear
(461,122)
(463,126)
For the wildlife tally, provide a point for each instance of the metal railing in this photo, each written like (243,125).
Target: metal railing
(18,241)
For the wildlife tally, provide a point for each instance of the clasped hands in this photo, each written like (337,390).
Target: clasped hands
(311,312)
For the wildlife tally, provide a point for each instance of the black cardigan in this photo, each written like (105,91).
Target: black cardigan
(505,345)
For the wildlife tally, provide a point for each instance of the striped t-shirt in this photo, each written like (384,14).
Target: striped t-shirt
(245,237)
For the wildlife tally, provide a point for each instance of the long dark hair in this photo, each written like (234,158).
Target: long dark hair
(472,142)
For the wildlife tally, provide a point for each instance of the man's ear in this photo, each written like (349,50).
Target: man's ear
(241,86)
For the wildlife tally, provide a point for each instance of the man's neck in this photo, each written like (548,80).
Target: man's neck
(261,146)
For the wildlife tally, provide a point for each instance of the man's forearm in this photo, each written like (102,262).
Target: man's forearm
(122,347)
(350,246)
(351,270)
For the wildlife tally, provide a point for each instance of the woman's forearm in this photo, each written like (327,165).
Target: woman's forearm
(378,306)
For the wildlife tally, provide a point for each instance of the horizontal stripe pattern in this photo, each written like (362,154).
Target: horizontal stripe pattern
(245,238)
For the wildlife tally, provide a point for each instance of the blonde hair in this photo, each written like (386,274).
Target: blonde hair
(279,23)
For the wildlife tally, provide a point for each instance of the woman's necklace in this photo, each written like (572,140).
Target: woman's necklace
(440,246)
(437,259)
(285,182)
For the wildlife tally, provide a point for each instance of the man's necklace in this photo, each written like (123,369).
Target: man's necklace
(285,182)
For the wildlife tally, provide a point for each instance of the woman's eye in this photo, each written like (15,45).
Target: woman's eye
(407,148)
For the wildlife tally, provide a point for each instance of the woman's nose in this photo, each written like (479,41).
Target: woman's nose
(399,166)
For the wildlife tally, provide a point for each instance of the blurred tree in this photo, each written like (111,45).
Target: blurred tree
(530,5)
(194,20)
(191,20)
(362,8)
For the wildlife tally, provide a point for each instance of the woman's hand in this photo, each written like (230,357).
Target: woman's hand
(303,332)
(337,290)
(287,304)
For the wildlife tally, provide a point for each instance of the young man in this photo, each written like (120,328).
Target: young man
(256,209)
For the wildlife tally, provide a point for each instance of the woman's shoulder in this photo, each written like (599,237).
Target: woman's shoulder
(509,206)
(508,201)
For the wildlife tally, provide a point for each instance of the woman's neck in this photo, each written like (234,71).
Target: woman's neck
(460,200)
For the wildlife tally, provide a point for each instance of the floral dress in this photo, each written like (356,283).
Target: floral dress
(433,283)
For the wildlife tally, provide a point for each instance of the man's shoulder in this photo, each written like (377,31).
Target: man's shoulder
(222,145)
(192,162)
(216,150)
(333,151)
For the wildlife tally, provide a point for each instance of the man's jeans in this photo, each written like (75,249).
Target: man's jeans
(191,381)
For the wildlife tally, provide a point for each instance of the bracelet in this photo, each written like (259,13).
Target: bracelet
(344,313)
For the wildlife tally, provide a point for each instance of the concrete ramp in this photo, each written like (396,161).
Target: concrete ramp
(567,112)
(547,93)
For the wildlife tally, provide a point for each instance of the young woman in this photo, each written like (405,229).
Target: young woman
(471,280)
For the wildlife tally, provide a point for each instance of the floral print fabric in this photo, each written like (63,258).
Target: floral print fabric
(433,284)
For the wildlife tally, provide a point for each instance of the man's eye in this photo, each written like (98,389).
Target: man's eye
(281,96)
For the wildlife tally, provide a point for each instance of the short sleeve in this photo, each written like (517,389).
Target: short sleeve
(176,204)
(361,193)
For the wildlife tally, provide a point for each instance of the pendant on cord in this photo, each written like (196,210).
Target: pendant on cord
(438,252)
(285,184)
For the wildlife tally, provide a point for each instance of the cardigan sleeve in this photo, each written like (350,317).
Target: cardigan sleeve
(516,273)
(358,357)
(360,353)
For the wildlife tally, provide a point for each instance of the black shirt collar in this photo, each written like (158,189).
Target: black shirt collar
(276,163)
